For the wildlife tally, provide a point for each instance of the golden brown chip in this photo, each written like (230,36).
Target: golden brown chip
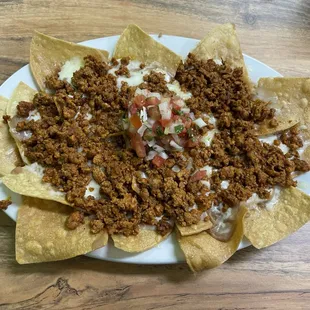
(145,240)
(222,43)
(292,211)
(138,45)
(202,251)
(9,156)
(41,234)
(195,228)
(28,181)
(48,54)
(21,93)
(291,99)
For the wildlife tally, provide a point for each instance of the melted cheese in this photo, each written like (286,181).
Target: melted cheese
(95,192)
(175,87)
(69,67)
(254,200)
(207,138)
(137,74)
(35,168)
(270,139)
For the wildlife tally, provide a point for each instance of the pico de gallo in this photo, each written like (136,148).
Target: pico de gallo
(158,124)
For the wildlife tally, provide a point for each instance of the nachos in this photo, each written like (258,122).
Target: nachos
(143,143)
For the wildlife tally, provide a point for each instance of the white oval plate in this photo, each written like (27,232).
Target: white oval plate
(167,252)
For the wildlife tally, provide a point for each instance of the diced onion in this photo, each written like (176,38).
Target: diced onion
(200,122)
(165,109)
(143,92)
(176,146)
(158,148)
(208,169)
(186,110)
(150,122)
(190,164)
(206,183)
(143,115)
(176,168)
(151,143)
(212,120)
(192,116)
(157,95)
(163,155)
(179,102)
(151,155)
(177,139)
(141,130)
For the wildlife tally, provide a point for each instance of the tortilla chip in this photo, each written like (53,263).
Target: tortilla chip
(9,156)
(222,43)
(195,228)
(41,234)
(291,99)
(145,240)
(48,54)
(138,45)
(202,251)
(25,182)
(21,93)
(291,212)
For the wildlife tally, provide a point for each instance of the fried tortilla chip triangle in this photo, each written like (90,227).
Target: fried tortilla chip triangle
(202,251)
(138,45)
(48,54)
(28,181)
(222,43)
(21,93)
(9,156)
(194,228)
(290,97)
(264,228)
(145,240)
(42,236)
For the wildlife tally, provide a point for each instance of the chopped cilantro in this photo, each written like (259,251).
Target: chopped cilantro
(178,129)
(177,112)
(159,131)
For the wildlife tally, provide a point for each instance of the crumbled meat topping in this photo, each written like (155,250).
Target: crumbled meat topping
(5,203)
(80,138)
(24,108)
(6,118)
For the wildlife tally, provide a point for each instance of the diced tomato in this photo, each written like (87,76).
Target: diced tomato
(158,129)
(165,122)
(158,161)
(154,113)
(135,121)
(139,101)
(175,118)
(151,101)
(133,109)
(137,145)
(176,107)
(187,122)
(199,175)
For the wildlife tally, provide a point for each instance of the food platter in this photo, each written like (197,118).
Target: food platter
(168,251)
